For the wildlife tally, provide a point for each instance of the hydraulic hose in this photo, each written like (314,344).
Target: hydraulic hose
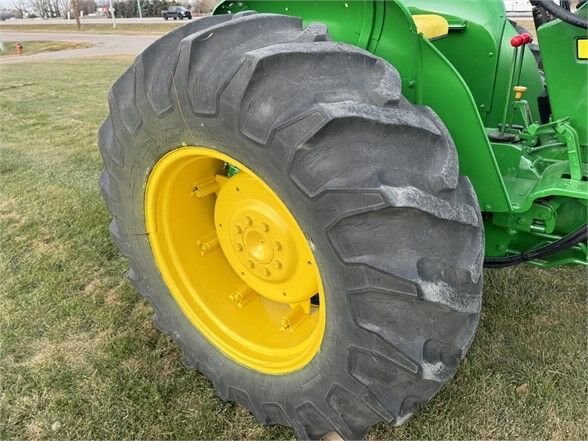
(561,13)
(562,244)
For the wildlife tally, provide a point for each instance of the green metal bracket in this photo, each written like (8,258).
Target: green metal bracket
(540,218)
(521,108)
(563,132)
(573,144)
(545,222)
(231,170)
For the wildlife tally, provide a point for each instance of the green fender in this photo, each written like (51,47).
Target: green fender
(386,29)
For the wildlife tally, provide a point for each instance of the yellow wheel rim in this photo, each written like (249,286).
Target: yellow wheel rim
(235,260)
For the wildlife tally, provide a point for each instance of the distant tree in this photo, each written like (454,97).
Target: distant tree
(76,11)
(147,9)
(20,7)
(40,7)
(154,8)
(205,6)
(56,8)
(87,6)
(126,9)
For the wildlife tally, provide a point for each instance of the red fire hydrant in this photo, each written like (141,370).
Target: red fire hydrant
(19,49)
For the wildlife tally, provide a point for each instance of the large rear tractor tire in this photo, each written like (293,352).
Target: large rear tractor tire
(299,227)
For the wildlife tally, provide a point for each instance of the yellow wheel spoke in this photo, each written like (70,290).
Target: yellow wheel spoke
(293,319)
(208,186)
(207,243)
(306,306)
(243,295)
(221,179)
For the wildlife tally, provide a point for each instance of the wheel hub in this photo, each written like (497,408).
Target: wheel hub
(256,235)
(258,246)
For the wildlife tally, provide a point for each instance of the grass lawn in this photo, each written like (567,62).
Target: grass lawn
(34,47)
(80,358)
(99,28)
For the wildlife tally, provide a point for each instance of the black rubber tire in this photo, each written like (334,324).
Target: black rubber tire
(372,180)
(165,17)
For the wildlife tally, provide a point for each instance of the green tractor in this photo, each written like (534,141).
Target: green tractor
(307,192)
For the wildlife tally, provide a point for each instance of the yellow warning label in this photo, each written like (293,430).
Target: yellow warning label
(583,49)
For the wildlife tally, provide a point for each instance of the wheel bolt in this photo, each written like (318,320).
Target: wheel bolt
(277,245)
(247,220)
(277,264)
(264,227)
(266,271)
(250,264)
(238,229)
(239,247)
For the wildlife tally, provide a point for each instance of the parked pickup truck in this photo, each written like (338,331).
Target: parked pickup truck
(177,12)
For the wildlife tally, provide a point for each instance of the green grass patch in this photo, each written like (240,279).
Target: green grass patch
(80,358)
(98,28)
(34,47)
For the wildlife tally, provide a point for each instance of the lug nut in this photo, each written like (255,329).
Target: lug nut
(247,220)
(238,229)
(277,264)
(266,271)
(264,227)
(277,245)
(251,264)
(239,247)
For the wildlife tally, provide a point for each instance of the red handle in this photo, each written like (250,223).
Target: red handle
(521,40)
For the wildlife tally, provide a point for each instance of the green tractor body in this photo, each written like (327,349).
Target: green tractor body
(530,173)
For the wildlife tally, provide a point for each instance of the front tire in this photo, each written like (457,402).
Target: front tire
(371,179)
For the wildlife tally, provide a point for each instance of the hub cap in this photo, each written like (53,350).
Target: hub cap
(256,237)
(235,260)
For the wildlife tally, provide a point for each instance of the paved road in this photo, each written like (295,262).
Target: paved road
(86,20)
(103,45)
